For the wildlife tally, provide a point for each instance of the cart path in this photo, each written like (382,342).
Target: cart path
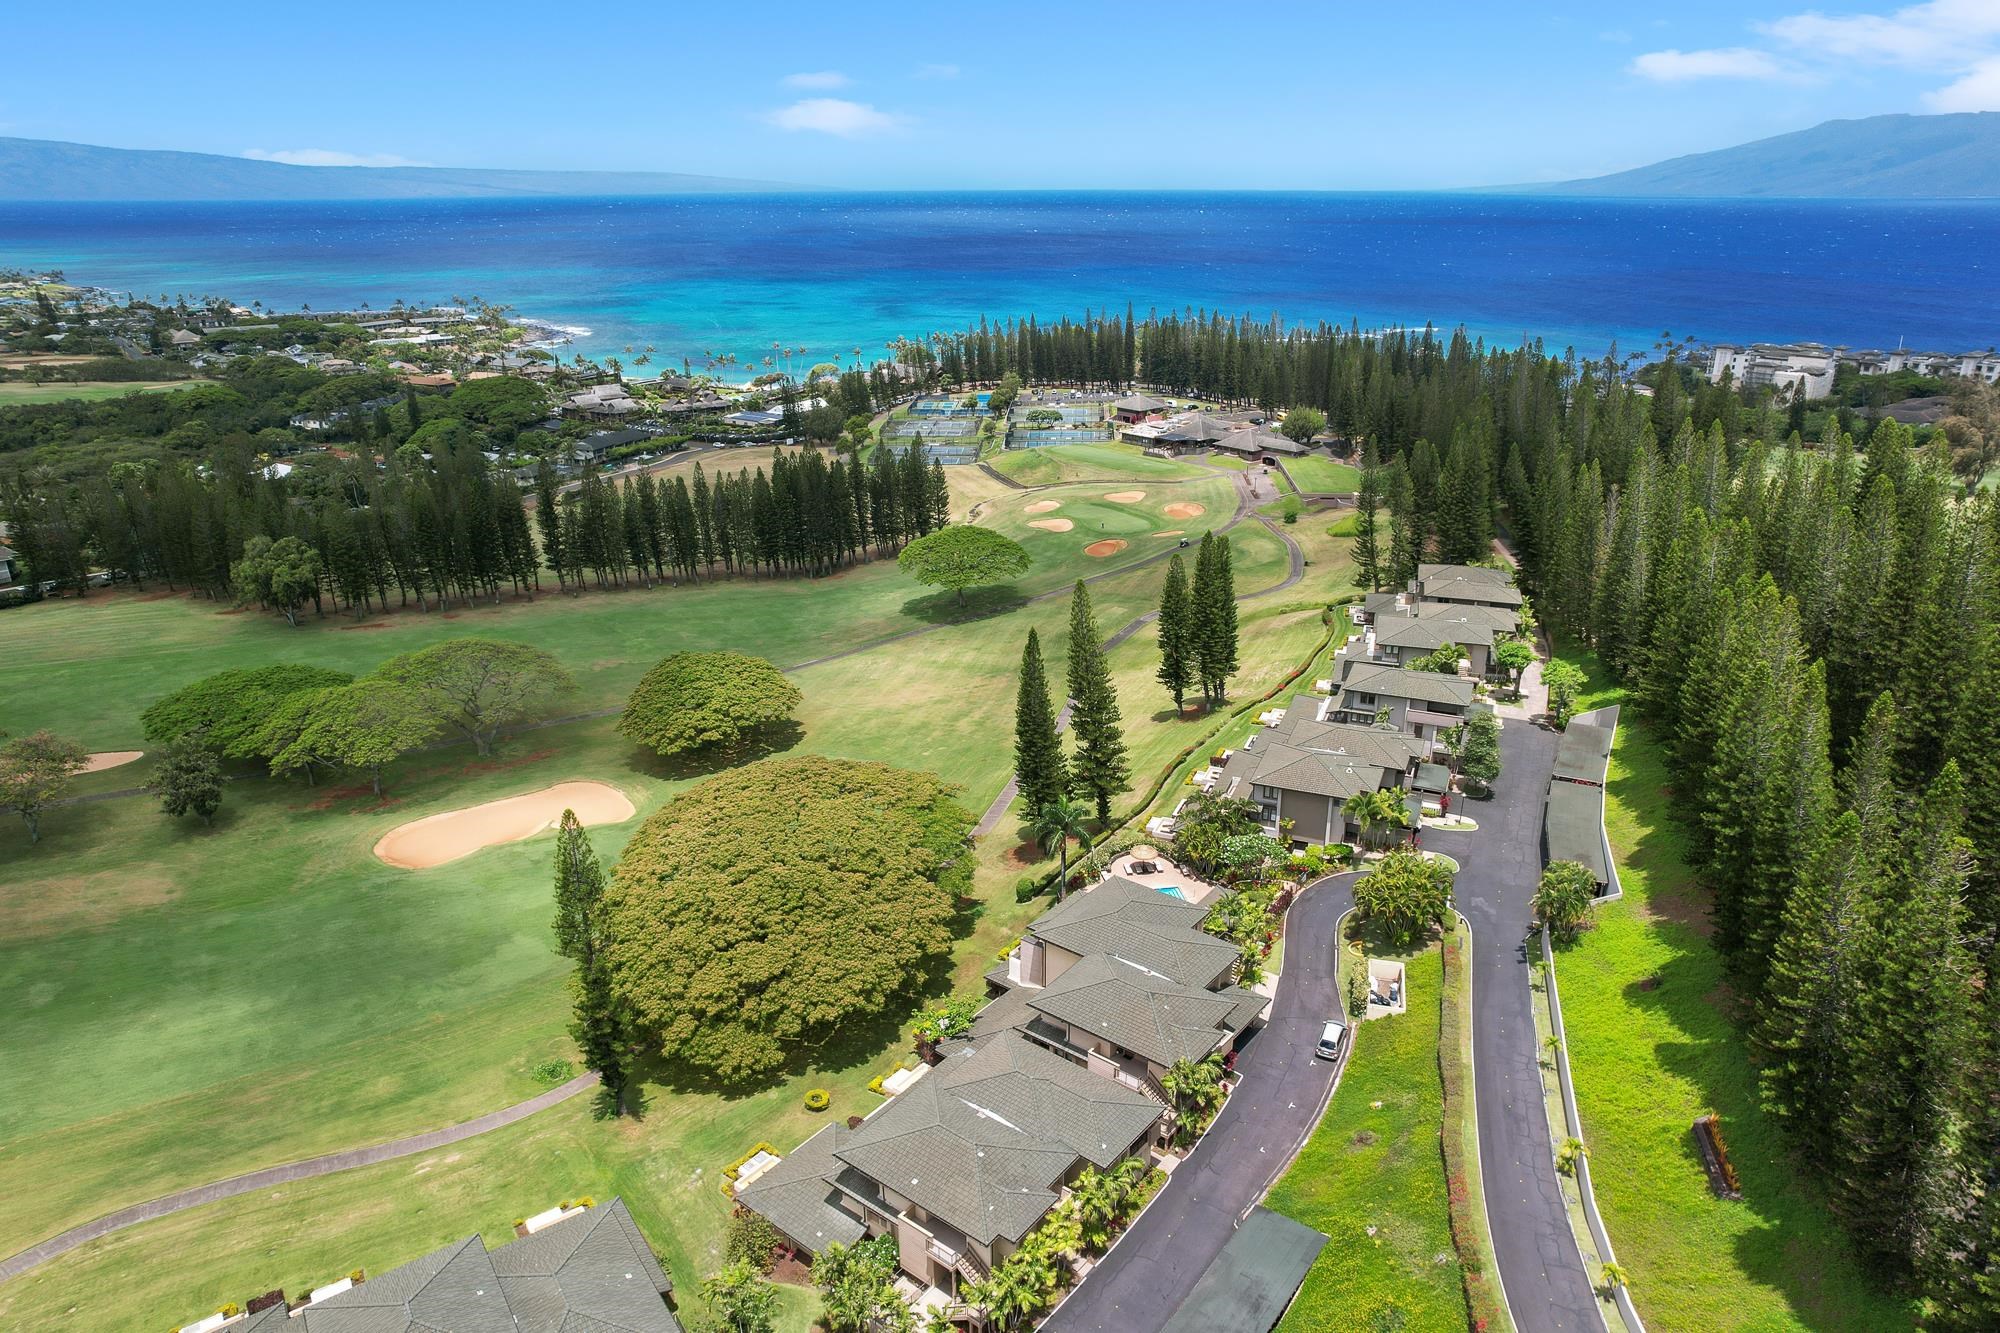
(228,1188)
(1246,501)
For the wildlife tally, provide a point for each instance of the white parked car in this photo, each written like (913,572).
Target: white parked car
(1331,1038)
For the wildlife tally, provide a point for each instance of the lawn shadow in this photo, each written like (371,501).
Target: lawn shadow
(945,607)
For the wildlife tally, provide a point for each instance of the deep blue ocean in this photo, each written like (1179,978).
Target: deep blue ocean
(831,272)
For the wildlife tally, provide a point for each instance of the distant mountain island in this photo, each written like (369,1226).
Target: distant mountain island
(1882,157)
(35,170)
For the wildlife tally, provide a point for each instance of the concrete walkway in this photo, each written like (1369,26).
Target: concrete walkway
(182,1200)
(1273,1111)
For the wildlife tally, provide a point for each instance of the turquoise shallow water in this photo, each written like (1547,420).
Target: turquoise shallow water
(830,273)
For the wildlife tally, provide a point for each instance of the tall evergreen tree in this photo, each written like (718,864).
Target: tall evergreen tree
(1177,656)
(1974,745)
(582,933)
(1101,768)
(1909,1036)
(1214,618)
(1367,540)
(1040,771)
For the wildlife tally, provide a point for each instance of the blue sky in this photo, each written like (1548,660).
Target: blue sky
(1335,95)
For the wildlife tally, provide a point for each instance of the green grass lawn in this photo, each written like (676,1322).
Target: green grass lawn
(191,1003)
(1372,1179)
(1053,463)
(1651,1049)
(1317,474)
(17,393)
(88,666)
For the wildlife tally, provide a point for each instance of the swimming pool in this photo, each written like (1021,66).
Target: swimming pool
(1173,891)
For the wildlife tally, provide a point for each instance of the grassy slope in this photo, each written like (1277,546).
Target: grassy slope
(1648,1061)
(326,1000)
(1317,474)
(1393,1182)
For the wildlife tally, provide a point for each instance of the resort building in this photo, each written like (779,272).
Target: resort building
(1464,585)
(1062,1070)
(584,1267)
(1306,767)
(1787,367)
(1139,407)
(1426,704)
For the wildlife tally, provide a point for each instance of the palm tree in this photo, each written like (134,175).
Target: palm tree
(1054,825)
(1375,810)
(1195,1087)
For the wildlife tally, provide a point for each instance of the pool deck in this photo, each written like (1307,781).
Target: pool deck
(1169,876)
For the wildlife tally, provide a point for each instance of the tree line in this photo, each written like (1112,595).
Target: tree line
(451,528)
(1814,631)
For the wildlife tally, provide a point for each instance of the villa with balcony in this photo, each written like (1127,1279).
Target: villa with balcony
(1104,993)
(1310,762)
(1465,585)
(1426,704)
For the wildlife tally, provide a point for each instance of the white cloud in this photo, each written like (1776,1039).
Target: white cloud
(1978,89)
(1938,35)
(329,157)
(824,80)
(937,71)
(834,115)
(1732,62)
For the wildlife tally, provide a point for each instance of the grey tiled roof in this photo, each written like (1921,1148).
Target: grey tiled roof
(799,1198)
(1475,573)
(1145,1012)
(1429,633)
(1381,603)
(1196,428)
(984,1140)
(1497,619)
(1155,929)
(1257,440)
(587,1273)
(1459,587)
(1429,687)
(1287,767)
(1384,745)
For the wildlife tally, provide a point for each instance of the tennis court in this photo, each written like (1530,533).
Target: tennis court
(1024,438)
(945,428)
(1076,416)
(951,454)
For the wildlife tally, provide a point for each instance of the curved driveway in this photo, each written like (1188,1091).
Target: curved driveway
(1499,867)
(1148,1274)
(1154,1267)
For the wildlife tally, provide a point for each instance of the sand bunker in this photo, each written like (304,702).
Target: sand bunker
(1052,524)
(1171,532)
(103,759)
(1184,509)
(1126,497)
(1043,506)
(1104,548)
(437,839)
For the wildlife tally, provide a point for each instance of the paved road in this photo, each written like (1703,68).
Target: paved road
(1155,1266)
(182,1200)
(1499,866)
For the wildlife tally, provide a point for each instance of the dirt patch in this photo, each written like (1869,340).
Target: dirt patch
(1126,497)
(1043,506)
(1184,509)
(103,759)
(372,624)
(1172,532)
(1052,524)
(437,839)
(59,904)
(1104,548)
